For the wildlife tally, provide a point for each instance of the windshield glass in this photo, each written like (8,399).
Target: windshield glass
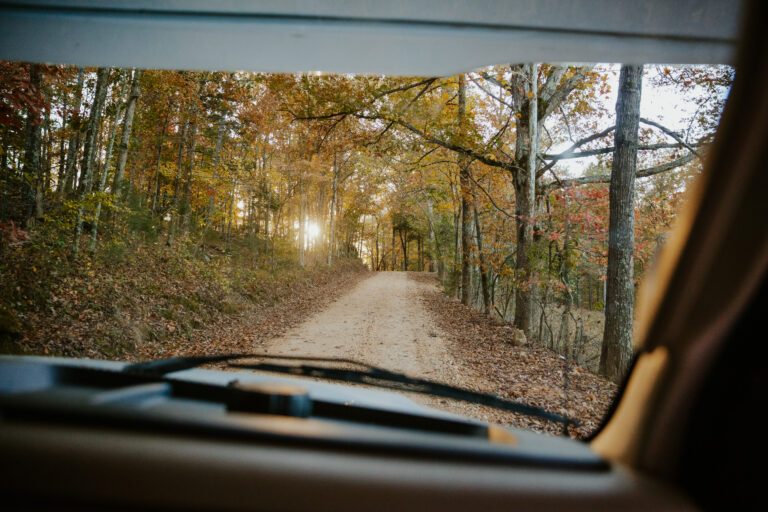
(486,230)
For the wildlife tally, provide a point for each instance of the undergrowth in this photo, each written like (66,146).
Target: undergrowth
(134,291)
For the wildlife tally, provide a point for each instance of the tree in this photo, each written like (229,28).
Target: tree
(125,137)
(108,160)
(89,151)
(66,181)
(466,194)
(32,167)
(92,132)
(617,341)
(529,106)
(469,161)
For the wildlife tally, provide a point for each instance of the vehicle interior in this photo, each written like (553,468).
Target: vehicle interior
(680,434)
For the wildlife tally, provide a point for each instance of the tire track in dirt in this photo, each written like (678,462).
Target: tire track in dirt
(381,321)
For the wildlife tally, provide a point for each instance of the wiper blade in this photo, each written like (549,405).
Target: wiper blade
(369,375)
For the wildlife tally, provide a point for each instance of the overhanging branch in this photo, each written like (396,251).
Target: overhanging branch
(606,178)
(671,134)
(603,151)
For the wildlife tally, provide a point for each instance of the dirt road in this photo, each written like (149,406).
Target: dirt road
(400,321)
(382,322)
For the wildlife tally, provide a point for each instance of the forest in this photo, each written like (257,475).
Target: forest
(150,202)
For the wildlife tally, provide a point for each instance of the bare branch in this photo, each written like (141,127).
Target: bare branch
(487,160)
(603,151)
(671,134)
(319,117)
(565,120)
(427,81)
(572,149)
(499,208)
(328,132)
(489,93)
(493,80)
(606,178)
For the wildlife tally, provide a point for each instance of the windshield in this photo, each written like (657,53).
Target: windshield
(486,230)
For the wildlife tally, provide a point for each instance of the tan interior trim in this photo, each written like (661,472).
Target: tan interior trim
(619,440)
(716,259)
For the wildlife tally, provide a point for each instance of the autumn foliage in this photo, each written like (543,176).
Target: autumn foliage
(276,172)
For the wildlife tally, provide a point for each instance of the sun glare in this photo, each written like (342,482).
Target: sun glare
(313,230)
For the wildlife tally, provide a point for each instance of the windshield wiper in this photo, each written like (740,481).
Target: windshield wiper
(369,375)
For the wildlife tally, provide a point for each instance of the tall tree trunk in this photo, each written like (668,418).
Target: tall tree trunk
(191,146)
(435,241)
(43,182)
(419,248)
(267,164)
(92,132)
(125,137)
(483,267)
(32,137)
(174,210)
(457,246)
(212,193)
(394,246)
(525,185)
(67,180)
(334,187)
(110,146)
(89,153)
(229,221)
(616,351)
(404,245)
(160,142)
(465,191)
(301,218)
(375,266)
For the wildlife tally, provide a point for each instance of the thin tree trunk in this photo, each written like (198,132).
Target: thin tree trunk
(435,241)
(125,137)
(32,138)
(616,351)
(420,266)
(160,143)
(229,222)
(483,267)
(66,184)
(404,245)
(301,218)
(102,76)
(191,146)
(394,262)
(43,181)
(267,164)
(60,178)
(457,246)
(212,193)
(376,266)
(102,183)
(334,186)
(174,221)
(92,132)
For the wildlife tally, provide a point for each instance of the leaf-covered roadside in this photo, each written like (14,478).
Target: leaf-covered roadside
(285,303)
(492,357)
(152,301)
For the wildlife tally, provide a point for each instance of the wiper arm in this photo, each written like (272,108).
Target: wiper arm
(371,375)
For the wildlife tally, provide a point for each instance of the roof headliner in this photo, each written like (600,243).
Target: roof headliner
(426,37)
